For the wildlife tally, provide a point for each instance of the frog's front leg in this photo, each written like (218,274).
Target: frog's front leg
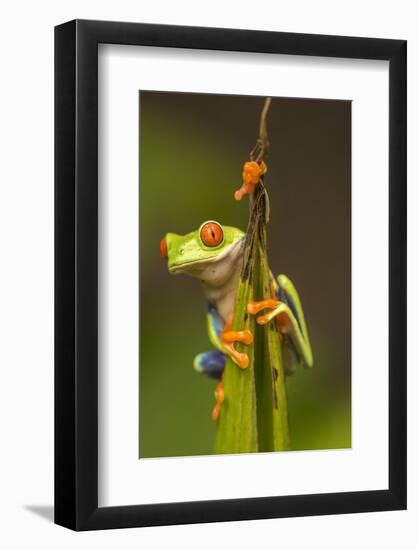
(228,337)
(213,362)
(222,337)
(288,313)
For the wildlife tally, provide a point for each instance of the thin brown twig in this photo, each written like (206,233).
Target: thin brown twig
(260,151)
(263,133)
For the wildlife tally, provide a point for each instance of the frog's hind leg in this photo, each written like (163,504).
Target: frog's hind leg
(219,395)
(286,308)
(211,363)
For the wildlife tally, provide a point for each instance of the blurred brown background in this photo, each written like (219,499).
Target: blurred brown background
(192,148)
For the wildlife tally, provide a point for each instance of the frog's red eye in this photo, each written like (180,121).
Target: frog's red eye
(211,234)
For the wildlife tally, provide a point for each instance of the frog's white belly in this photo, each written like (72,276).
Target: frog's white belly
(222,298)
(220,280)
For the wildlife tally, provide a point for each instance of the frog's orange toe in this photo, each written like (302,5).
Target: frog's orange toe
(244,190)
(252,308)
(215,413)
(262,320)
(219,395)
(242,360)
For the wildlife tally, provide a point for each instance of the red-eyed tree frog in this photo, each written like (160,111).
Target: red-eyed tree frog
(214,255)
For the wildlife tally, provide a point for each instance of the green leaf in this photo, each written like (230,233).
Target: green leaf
(237,423)
(254,415)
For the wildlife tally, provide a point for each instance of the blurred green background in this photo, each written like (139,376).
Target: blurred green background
(192,148)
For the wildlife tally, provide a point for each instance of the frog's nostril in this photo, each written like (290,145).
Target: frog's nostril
(163,248)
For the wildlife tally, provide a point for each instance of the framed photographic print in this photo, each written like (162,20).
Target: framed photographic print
(230,274)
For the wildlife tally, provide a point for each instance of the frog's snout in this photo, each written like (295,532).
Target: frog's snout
(163,249)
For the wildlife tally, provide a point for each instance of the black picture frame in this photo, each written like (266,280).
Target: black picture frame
(76,272)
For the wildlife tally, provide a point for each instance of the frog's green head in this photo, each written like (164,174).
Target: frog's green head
(205,253)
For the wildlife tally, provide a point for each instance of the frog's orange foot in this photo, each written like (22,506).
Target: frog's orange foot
(243,336)
(255,307)
(229,337)
(219,395)
(252,172)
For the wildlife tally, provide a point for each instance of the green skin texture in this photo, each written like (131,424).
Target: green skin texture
(186,251)
(218,268)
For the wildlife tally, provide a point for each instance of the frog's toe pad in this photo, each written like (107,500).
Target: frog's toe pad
(211,363)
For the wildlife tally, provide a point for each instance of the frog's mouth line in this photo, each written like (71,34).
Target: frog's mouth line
(179,267)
